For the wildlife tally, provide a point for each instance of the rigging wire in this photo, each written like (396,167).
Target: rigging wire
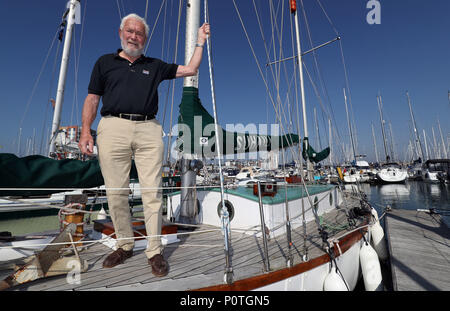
(342,58)
(278,117)
(37,81)
(146,10)
(180,6)
(119,9)
(50,90)
(225,219)
(275,74)
(163,51)
(77,66)
(154,26)
(330,113)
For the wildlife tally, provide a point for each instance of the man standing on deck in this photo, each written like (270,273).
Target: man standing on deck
(128,82)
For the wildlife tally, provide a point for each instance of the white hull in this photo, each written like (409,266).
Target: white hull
(392,175)
(352,179)
(430,176)
(245,216)
(313,280)
(56,200)
(22,249)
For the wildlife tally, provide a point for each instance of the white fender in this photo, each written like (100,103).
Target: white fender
(371,269)
(378,241)
(101,214)
(334,282)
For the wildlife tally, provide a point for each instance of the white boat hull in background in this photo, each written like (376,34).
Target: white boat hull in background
(392,175)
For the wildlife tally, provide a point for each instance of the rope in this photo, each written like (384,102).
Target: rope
(71,209)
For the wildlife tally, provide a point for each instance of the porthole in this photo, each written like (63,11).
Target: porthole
(229,207)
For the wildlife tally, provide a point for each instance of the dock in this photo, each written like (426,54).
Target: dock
(419,249)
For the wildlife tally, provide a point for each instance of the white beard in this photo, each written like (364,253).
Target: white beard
(130,51)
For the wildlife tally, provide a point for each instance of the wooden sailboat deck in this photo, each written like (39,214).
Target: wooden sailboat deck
(198,260)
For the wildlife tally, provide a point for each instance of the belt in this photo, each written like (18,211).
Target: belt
(133,117)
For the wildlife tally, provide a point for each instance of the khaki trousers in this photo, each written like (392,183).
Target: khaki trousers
(118,140)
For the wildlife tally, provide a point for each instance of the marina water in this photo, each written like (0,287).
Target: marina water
(412,195)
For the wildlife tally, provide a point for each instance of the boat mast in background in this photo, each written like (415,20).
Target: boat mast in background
(444,148)
(70,21)
(426,145)
(415,128)
(349,127)
(375,144)
(382,126)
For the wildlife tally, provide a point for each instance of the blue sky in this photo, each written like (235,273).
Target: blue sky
(407,51)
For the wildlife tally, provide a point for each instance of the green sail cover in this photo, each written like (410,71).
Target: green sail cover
(197,132)
(37,171)
(311,154)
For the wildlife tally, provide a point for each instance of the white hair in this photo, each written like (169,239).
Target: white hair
(135,16)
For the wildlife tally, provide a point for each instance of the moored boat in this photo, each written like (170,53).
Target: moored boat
(391,173)
(436,170)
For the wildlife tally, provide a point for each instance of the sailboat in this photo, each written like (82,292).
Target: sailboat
(298,237)
(436,170)
(356,173)
(389,172)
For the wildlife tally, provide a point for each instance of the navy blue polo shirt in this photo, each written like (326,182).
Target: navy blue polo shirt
(129,87)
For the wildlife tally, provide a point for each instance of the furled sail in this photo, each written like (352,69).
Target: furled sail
(311,154)
(18,175)
(197,132)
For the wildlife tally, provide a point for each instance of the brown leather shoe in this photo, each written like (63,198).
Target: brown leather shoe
(116,258)
(160,267)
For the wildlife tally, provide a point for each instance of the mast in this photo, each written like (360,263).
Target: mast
(329,140)
(415,127)
(309,167)
(19,142)
(435,147)
(192,25)
(426,146)
(375,144)
(382,126)
(317,129)
(442,140)
(349,128)
(188,163)
(392,141)
(70,21)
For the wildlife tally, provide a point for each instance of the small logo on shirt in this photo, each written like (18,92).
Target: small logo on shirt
(146,72)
